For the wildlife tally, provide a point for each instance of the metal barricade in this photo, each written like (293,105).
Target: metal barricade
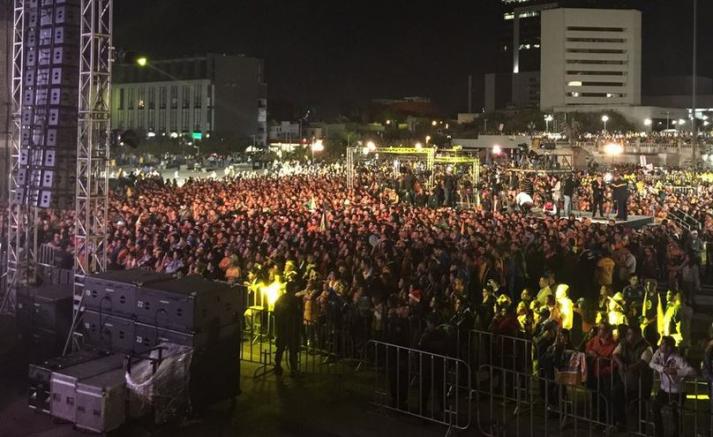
(512,403)
(540,406)
(322,347)
(48,255)
(429,386)
(483,347)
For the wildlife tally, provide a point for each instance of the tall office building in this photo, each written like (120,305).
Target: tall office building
(515,81)
(219,94)
(590,57)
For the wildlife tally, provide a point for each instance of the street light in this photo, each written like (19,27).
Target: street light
(142,61)
(370,146)
(419,145)
(317,146)
(548,119)
(647,122)
(428,138)
(605,118)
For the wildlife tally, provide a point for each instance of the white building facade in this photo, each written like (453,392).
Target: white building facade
(184,106)
(590,57)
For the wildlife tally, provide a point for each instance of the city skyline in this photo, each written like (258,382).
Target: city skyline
(330,57)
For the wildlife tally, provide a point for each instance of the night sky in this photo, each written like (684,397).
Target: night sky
(330,55)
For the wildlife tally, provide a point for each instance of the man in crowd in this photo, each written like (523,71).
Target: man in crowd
(598,196)
(620,189)
(632,357)
(672,369)
(288,322)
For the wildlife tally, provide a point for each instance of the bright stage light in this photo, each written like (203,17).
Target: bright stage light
(613,149)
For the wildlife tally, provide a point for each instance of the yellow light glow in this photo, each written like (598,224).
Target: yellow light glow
(698,397)
(317,146)
(271,292)
(142,61)
(613,149)
(566,306)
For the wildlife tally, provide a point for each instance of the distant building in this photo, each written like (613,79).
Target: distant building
(401,108)
(225,94)
(515,81)
(590,57)
(285,131)
(508,90)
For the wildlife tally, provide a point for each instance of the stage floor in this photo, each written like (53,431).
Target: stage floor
(634,221)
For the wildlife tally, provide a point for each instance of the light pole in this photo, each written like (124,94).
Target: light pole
(694,128)
(548,119)
(605,118)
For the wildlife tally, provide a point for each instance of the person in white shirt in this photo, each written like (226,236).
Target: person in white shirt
(524,201)
(672,370)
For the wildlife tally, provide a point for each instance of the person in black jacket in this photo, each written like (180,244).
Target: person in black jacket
(621,197)
(288,324)
(598,196)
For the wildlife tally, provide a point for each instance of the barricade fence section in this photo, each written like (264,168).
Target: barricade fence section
(517,395)
(432,387)
(510,384)
(321,346)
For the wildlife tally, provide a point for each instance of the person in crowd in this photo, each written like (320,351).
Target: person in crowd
(597,188)
(288,323)
(620,196)
(568,190)
(672,369)
(634,378)
(599,351)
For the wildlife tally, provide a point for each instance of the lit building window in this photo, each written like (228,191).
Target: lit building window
(574,83)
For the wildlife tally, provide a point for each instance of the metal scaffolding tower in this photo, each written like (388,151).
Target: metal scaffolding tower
(91,205)
(19,214)
(92,187)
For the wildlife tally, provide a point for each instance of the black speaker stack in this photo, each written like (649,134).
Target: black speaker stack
(135,311)
(50,79)
(44,315)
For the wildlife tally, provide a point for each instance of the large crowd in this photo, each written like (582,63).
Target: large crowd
(392,258)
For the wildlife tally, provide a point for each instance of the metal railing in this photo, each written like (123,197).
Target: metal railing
(320,347)
(432,387)
(517,403)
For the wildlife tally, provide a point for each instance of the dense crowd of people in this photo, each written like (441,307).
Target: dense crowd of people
(396,260)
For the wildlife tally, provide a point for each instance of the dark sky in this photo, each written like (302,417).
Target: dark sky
(327,54)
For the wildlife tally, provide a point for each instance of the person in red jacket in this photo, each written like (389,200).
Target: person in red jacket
(600,351)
